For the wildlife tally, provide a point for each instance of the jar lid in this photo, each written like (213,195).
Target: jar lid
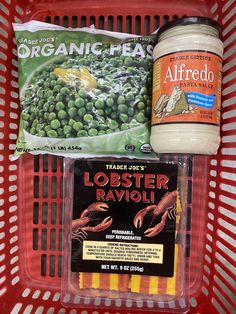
(190,20)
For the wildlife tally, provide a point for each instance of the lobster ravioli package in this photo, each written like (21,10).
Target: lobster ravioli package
(83,90)
(125,233)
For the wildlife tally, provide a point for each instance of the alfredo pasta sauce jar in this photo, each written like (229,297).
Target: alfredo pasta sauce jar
(187,87)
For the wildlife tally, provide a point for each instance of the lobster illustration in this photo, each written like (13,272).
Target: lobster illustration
(80,226)
(166,207)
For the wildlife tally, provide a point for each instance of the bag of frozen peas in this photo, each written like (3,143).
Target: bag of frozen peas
(83,91)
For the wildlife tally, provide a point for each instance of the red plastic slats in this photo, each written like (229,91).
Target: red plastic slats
(130,11)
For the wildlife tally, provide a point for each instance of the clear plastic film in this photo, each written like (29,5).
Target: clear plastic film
(125,231)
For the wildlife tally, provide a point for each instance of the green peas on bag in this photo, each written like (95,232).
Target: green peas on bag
(84,91)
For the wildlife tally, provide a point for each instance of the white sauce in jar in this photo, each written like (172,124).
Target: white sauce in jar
(187,87)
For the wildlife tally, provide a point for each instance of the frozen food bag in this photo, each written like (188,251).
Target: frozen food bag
(83,91)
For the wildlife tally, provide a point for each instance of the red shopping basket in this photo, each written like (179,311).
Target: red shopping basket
(31,188)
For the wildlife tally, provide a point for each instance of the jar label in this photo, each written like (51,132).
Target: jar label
(187,88)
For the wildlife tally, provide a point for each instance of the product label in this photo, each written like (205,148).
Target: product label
(187,88)
(124,217)
(28,49)
(125,252)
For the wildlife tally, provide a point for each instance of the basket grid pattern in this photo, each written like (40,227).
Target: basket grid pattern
(217,279)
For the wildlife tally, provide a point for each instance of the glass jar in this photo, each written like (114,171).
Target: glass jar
(187,80)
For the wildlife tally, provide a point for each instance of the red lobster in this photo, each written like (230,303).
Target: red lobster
(168,202)
(79,226)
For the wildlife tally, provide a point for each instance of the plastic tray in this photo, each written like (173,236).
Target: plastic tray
(31,187)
